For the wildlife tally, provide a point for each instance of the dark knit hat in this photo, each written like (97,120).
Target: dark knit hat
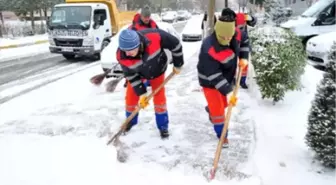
(146,11)
(228,15)
(128,40)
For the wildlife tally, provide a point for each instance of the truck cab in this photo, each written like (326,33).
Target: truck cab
(84,27)
(316,20)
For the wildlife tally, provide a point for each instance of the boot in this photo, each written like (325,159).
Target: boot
(128,128)
(243,82)
(218,129)
(226,143)
(164,134)
(162,122)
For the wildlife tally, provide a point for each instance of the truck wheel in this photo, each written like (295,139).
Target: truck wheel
(69,56)
(96,56)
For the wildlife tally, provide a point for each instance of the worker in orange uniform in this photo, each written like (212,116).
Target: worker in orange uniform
(217,67)
(143,21)
(141,56)
(242,20)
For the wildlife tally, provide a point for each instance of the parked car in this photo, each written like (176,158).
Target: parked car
(108,56)
(316,20)
(183,15)
(156,17)
(170,17)
(318,49)
(192,30)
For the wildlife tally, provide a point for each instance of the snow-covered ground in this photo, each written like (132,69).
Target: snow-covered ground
(13,53)
(57,135)
(22,40)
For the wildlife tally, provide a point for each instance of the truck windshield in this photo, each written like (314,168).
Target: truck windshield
(71,17)
(316,8)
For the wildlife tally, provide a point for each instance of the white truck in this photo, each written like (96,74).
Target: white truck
(316,20)
(84,27)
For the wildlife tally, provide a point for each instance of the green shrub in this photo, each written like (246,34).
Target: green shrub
(320,136)
(279,60)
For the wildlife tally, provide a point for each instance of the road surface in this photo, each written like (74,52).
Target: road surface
(18,72)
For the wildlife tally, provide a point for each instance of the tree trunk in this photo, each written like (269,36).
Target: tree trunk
(211,14)
(2,25)
(32,21)
(45,16)
(42,23)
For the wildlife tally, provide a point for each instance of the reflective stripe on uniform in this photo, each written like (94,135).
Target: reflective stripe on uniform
(221,83)
(130,108)
(160,109)
(247,49)
(217,120)
(177,54)
(177,47)
(228,59)
(138,82)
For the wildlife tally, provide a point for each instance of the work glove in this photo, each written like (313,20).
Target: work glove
(232,99)
(143,103)
(177,70)
(243,63)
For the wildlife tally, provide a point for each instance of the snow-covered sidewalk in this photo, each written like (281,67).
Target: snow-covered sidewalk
(281,155)
(57,135)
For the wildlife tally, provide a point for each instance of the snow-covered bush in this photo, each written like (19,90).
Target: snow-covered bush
(13,29)
(320,136)
(278,58)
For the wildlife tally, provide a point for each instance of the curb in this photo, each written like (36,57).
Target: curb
(24,44)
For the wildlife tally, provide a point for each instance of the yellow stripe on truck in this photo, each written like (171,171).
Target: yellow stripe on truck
(24,44)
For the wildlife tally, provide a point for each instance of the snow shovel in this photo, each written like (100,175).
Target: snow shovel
(98,79)
(135,112)
(224,131)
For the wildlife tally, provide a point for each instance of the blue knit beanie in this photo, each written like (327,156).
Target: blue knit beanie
(128,40)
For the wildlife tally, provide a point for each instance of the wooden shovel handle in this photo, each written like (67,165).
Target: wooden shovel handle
(137,109)
(226,125)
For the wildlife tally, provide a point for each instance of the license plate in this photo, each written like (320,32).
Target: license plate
(67,49)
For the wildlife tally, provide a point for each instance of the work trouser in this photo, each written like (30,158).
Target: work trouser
(160,107)
(244,75)
(217,104)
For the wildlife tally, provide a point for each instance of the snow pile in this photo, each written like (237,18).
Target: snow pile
(17,53)
(22,40)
